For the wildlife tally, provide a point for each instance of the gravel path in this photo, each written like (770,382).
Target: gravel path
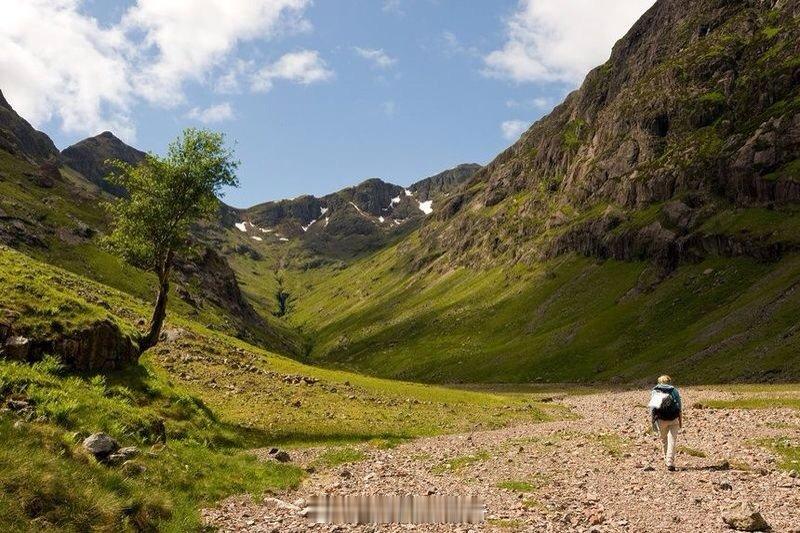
(601,471)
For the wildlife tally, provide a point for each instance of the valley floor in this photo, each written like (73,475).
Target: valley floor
(597,471)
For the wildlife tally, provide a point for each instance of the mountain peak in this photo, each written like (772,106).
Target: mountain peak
(89,156)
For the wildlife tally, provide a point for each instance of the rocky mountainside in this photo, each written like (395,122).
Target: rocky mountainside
(351,221)
(696,113)
(18,137)
(650,221)
(444,182)
(89,156)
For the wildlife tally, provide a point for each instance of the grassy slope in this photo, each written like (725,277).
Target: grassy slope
(217,397)
(73,200)
(569,319)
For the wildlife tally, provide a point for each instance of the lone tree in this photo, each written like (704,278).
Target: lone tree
(165,196)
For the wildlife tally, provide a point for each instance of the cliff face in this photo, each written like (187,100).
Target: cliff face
(696,112)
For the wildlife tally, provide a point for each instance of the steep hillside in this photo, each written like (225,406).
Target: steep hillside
(650,222)
(695,114)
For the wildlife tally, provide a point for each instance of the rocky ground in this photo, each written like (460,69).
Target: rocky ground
(600,471)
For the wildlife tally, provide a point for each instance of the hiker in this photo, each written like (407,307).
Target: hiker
(666,415)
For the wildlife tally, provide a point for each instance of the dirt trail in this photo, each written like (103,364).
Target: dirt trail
(599,472)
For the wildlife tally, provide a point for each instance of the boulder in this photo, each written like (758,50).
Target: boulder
(101,346)
(17,348)
(100,445)
(281,456)
(132,468)
(745,517)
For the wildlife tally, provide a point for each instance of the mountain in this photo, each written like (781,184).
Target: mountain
(89,156)
(444,182)
(51,208)
(649,223)
(353,220)
(694,114)
(18,137)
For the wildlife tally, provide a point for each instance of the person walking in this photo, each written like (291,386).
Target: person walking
(666,415)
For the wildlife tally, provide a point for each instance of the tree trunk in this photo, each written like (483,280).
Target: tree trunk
(160,310)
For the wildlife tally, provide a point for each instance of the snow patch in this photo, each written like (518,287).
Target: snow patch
(395,200)
(382,219)
(284,239)
(426,207)
(268,230)
(409,193)
(358,209)
(305,228)
(259,239)
(241,226)
(323,210)
(327,220)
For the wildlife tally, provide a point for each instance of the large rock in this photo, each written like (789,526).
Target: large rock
(100,445)
(745,517)
(17,348)
(101,346)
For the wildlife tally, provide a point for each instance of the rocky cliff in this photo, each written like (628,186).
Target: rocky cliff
(696,112)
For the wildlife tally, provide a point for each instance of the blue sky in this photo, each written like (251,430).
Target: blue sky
(317,95)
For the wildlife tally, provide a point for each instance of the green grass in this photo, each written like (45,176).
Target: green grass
(498,325)
(788,451)
(459,463)
(691,451)
(217,397)
(755,403)
(613,444)
(45,477)
(339,456)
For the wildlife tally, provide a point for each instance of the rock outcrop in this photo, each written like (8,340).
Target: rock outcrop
(99,346)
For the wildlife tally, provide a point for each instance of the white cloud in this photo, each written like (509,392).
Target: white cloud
(561,40)
(209,115)
(304,67)
(59,63)
(512,129)
(377,57)
(188,38)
